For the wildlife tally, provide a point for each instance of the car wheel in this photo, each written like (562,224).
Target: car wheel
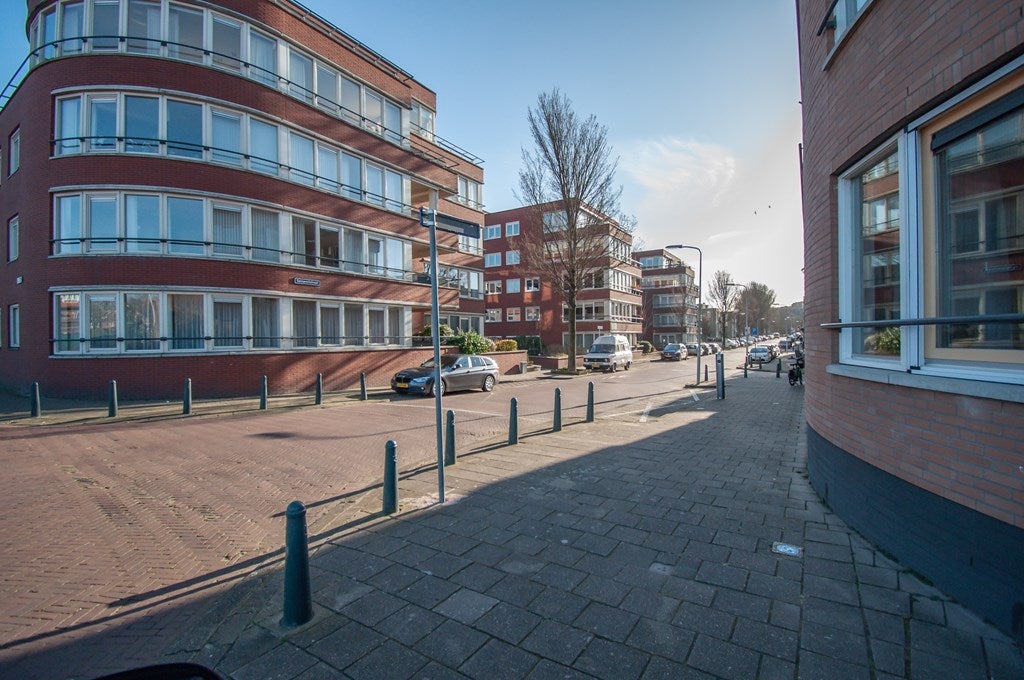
(626,367)
(488,383)
(615,367)
(431,392)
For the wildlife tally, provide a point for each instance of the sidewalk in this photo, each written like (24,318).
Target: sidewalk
(632,547)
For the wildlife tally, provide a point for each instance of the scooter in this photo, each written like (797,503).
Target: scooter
(796,371)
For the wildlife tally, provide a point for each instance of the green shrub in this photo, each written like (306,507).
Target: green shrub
(507,345)
(472,342)
(646,347)
(444,329)
(886,341)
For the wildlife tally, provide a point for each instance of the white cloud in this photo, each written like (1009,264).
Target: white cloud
(677,174)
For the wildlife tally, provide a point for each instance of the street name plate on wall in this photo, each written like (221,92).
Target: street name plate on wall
(305,282)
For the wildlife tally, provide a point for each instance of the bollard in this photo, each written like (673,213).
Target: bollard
(298,597)
(513,421)
(556,426)
(390,478)
(186,402)
(720,375)
(705,372)
(319,389)
(778,368)
(449,439)
(112,400)
(362,386)
(36,408)
(590,402)
(263,393)
(745,364)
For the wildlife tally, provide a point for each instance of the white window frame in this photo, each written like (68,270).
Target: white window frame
(13,239)
(492,259)
(531,284)
(513,314)
(512,228)
(14,327)
(492,231)
(14,152)
(515,284)
(512,257)
(493,315)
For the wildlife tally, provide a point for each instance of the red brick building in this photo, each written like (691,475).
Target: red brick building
(913,181)
(218,190)
(670,298)
(519,302)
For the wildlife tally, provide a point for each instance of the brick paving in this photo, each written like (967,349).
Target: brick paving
(615,549)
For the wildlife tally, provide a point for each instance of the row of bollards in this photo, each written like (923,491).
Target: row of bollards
(36,406)
(298,599)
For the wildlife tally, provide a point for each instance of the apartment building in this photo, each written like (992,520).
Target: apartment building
(913,185)
(522,302)
(669,298)
(219,190)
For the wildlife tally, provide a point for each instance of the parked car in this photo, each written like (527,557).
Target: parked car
(458,372)
(692,349)
(759,354)
(674,352)
(715,347)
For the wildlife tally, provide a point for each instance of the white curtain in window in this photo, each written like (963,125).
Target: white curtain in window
(303,241)
(377,322)
(301,159)
(396,325)
(304,323)
(187,321)
(144,27)
(263,147)
(141,321)
(265,239)
(330,325)
(265,323)
(353,255)
(142,223)
(72,23)
(354,325)
(262,58)
(227,323)
(227,138)
(300,73)
(70,111)
(227,231)
(185,34)
(227,43)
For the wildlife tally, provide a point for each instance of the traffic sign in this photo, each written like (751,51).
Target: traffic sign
(432,218)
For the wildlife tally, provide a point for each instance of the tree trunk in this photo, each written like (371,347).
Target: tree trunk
(572,335)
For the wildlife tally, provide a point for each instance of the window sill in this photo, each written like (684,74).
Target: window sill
(968,388)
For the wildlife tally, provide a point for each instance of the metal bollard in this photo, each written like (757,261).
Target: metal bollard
(778,368)
(263,393)
(513,421)
(362,385)
(590,402)
(744,369)
(36,407)
(186,402)
(112,400)
(556,425)
(705,372)
(390,478)
(449,439)
(319,389)
(298,597)
(720,375)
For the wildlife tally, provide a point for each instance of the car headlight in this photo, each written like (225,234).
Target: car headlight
(419,381)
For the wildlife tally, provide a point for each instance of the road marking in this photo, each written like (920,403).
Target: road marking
(647,411)
(693,393)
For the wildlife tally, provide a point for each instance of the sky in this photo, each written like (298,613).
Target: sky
(700,99)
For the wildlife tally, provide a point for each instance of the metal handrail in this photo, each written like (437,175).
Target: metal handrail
(929,321)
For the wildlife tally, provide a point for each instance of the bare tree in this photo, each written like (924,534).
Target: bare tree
(568,177)
(760,299)
(721,296)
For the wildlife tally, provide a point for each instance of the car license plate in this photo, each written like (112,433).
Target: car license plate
(402,385)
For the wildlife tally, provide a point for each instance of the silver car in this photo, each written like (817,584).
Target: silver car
(458,372)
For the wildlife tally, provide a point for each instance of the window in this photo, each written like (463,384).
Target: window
(330,325)
(422,120)
(353,253)
(351,177)
(102,123)
(263,147)
(300,73)
(141,322)
(512,313)
(227,230)
(184,129)
(492,231)
(67,326)
(304,323)
(511,229)
(492,259)
(301,159)
(932,226)
(354,325)
(396,325)
(492,287)
(555,221)
(327,168)
(227,43)
(392,123)
(533,313)
(512,286)
(374,185)
(142,223)
(185,34)
(373,111)
(303,241)
(471,194)
(105,22)
(14,326)
(326,88)
(143,27)
(72,23)
(68,225)
(262,58)
(186,321)
(14,152)
(266,240)
(532,284)
(101,322)
(512,257)
(493,315)
(141,124)
(227,322)
(13,245)
(69,126)
(226,137)
(265,323)
(185,226)
(351,101)
(102,224)
(330,247)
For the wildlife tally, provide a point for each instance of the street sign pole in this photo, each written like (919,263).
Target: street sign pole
(435,333)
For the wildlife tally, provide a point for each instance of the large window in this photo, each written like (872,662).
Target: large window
(14,326)
(13,239)
(14,152)
(932,235)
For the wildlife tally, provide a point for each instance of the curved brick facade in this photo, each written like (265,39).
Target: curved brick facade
(926,464)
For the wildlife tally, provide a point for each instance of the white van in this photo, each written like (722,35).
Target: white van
(608,353)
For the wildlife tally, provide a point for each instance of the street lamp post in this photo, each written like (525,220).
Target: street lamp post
(700,292)
(746,324)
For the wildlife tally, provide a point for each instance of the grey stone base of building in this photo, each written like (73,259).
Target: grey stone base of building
(970,556)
